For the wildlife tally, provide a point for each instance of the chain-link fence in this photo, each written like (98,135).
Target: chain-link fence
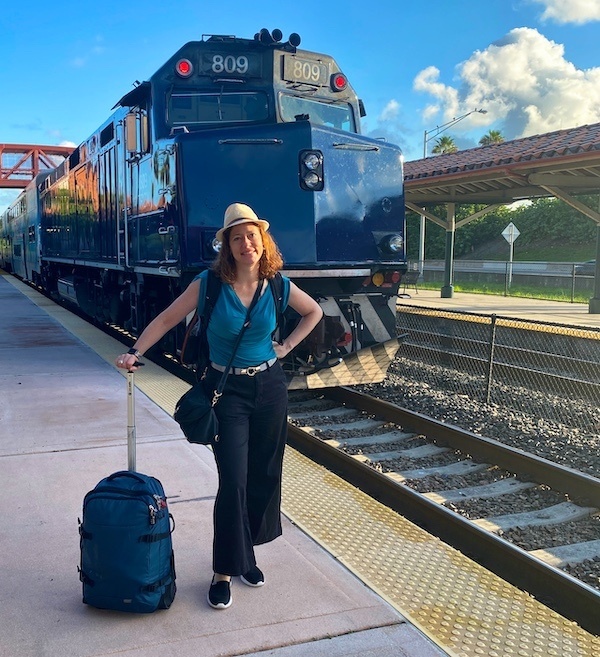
(550,371)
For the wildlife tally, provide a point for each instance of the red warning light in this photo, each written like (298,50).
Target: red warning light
(338,82)
(184,68)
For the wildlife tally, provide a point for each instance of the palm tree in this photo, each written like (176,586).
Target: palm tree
(492,137)
(444,145)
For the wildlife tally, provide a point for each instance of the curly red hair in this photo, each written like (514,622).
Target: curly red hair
(270,263)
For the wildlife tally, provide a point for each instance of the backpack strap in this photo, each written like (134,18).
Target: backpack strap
(276,285)
(194,350)
(211,294)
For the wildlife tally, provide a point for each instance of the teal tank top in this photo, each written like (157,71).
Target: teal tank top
(228,318)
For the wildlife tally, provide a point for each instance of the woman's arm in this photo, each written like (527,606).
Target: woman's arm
(185,303)
(310,313)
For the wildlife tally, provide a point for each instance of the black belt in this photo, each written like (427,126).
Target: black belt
(249,371)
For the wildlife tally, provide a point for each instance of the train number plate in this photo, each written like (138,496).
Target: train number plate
(296,69)
(230,65)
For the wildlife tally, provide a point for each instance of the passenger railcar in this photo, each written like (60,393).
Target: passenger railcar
(126,221)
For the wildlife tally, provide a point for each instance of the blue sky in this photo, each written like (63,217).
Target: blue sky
(533,65)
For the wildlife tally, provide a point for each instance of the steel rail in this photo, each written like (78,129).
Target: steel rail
(556,589)
(572,482)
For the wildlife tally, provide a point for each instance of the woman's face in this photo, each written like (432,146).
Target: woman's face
(246,244)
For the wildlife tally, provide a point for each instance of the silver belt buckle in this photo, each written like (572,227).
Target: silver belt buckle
(251,371)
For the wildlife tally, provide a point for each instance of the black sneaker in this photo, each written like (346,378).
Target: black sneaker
(219,595)
(253,577)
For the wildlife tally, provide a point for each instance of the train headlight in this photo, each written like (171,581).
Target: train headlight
(311,170)
(215,245)
(393,244)
(312,161)
(311,180)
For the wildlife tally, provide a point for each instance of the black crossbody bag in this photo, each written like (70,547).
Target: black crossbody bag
(195,411)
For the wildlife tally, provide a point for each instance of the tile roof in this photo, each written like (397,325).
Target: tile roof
(501,173)
(583,139)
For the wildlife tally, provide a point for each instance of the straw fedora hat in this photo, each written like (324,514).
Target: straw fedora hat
(239,213)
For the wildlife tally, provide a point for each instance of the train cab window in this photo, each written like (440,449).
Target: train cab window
(191,109)
(338,116)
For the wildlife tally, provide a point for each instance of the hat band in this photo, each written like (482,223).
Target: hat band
(241,220)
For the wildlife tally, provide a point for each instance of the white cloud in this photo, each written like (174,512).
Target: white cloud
(388,124)
(390,112)
(525,84)
(570,11)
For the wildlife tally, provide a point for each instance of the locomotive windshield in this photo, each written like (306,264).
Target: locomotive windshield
(189,108)
(338,116)
(193,109)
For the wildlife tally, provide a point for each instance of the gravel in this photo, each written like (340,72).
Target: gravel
(521,423)
(526,429)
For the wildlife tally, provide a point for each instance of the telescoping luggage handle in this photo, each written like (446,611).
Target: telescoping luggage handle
(131,456)
(131,437)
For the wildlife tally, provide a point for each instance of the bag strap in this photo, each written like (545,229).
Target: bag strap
(206,302)
(211,294)
(219,391)
(276,285)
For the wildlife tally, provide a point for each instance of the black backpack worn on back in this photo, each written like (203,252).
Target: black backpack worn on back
(194,352)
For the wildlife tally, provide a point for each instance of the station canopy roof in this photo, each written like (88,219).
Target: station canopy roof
(562,163)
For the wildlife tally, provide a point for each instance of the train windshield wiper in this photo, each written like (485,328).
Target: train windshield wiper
(355,147)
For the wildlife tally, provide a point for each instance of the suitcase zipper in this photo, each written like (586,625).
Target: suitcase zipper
(152,510)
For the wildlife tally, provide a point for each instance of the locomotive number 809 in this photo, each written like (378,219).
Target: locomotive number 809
(129,218)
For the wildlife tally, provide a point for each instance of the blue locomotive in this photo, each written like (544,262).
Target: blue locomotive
(127,220)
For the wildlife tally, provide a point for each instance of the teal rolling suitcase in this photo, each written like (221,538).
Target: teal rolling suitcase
(127,559)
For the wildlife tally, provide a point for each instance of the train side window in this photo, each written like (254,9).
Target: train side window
(107,134)
(131,133)
(74,159)
(137,132)
(144,133)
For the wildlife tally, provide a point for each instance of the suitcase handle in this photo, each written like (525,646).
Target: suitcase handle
(126,473)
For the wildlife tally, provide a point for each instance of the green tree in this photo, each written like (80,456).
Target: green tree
(546,224)
(491,137)
(444,144)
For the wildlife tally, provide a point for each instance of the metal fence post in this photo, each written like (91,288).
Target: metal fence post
(488,391)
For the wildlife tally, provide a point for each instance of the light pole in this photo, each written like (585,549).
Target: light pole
(427,137)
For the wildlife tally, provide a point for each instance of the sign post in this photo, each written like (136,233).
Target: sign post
(510,234)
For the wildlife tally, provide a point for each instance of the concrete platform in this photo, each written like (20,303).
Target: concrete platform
(63,427)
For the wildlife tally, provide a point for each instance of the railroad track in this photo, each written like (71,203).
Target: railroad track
(362,439)
(444,479)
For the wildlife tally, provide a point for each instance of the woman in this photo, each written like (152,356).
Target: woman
(253,409)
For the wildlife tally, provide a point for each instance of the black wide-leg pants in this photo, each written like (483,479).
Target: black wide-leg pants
(249,453)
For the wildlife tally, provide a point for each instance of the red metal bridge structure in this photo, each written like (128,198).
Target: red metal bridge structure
(20,163)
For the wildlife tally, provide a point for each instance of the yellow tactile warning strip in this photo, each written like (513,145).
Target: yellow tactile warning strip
(462,607)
